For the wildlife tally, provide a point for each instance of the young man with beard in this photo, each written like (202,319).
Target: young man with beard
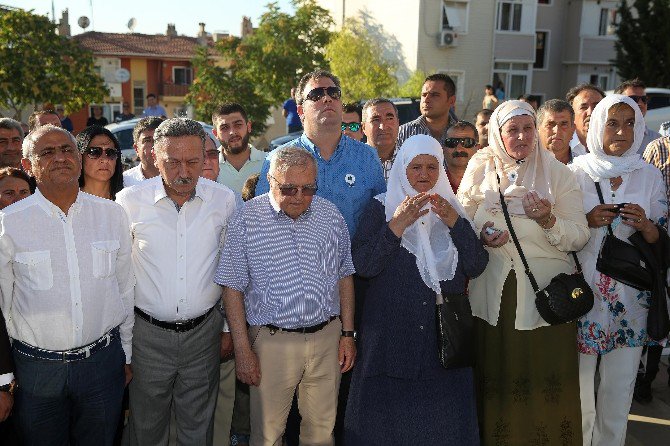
(459,146)
(239,159)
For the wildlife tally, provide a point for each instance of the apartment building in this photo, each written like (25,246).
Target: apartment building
(540,47)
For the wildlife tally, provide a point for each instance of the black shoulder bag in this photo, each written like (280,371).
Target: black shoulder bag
(622,261)
(566,298)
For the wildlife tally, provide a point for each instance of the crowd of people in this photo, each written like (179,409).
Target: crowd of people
(225,296)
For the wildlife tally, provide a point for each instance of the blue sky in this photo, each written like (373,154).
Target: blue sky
(152,16)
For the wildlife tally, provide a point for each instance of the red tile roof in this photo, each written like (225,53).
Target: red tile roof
(146,45)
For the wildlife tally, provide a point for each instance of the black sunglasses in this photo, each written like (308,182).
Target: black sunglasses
(644,99)
(318,93)
(290,191)
(96,152)
(352,126)
(452,143)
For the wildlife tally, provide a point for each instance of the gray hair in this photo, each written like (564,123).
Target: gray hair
(554,106)
(376,101)
(11,124)
(176,127)
(30,141)
(291,156)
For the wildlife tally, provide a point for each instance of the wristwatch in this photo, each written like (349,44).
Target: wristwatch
(11,387)
(349,334)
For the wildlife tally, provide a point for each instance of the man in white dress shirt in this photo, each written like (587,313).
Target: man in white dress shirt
(178,223)
(143,143)
(66,288)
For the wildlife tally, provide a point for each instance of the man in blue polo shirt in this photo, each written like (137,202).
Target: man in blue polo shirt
(349,172)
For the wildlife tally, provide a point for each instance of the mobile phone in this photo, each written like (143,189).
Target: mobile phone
(619,207)
(491,230)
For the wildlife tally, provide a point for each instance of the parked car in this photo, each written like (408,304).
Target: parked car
(123,131)
(658,107)
(408,110)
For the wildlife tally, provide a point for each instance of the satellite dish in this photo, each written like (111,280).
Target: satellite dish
(132,23)
(83,22)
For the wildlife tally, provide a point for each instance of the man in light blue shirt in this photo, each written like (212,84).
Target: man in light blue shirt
(349,172)
(154,108)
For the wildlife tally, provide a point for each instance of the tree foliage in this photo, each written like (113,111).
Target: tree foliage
(643,47)
(412,87)
(355,57)
(38,66)
(259,70)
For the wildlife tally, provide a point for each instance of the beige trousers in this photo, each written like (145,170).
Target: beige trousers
(290,361)
(223,414)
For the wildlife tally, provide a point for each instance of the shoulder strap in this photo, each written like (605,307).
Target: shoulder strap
(602,201)
(533,282)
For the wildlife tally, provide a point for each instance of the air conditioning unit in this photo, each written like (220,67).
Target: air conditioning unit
(448,38)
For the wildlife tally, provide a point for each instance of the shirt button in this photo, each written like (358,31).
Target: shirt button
(182,301)
(181,278)
(425,303)
(181,257)
(421,327)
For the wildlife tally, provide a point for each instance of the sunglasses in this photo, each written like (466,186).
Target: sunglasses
(290,191)
(352,126)
(644,99)
(318,93)
(467,143)
(96,152)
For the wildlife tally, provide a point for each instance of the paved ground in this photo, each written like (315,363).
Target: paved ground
(649,424)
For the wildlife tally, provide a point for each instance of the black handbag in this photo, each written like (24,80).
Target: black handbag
(455,327)
(567,297)
(622,261)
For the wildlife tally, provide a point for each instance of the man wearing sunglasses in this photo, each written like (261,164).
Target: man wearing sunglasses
(287,271)
(636,90)
(349,172)
(459,146)
(351,121)
(438,96)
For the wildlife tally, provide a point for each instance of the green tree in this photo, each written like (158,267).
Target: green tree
(412,87)
(355,57)
(643,47)
(38,66)
(259,70)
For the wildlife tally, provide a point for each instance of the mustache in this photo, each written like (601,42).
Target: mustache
(457,154)
(183,181)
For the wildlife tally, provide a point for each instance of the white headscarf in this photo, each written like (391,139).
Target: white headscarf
(428,238)
(599,165)
(516,178)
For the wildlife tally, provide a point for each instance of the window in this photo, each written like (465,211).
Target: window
(459,78)
(138,98)
(544,2)
(182,75)
(455,15)
(609,19)
(601,80)
(509,16)
(541,50)
(510,79)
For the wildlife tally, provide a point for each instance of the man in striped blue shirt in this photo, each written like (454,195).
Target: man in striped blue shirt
(287,271)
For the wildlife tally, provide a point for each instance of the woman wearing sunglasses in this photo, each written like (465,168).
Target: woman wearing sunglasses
(101,169)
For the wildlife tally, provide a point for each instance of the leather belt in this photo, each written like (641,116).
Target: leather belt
(179,327)
(312,329)
(75,354)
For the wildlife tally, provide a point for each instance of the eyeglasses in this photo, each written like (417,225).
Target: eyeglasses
(644,99)
(318,93)
(288,190)
(467,143)
(96,152)
(352,126)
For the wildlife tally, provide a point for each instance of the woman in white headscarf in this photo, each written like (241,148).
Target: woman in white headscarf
(615,330)
(414,243)
(526,371)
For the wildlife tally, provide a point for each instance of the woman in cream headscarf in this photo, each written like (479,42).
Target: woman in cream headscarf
(414,243)
(615,330)
(526,371)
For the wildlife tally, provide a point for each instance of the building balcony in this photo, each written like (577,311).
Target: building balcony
(173,90)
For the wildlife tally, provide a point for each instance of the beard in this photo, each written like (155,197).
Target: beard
(237,149)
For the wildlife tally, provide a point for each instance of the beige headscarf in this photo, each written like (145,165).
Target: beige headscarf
(516,178)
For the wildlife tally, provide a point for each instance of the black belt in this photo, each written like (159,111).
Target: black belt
(179,327)
(75,354)
(312,329)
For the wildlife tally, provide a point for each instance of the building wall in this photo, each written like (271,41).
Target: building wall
(555,20)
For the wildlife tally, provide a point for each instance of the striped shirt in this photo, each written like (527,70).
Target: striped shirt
(658,154)
(419,127)
(287,269)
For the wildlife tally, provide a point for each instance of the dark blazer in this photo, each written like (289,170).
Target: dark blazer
(6,362)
